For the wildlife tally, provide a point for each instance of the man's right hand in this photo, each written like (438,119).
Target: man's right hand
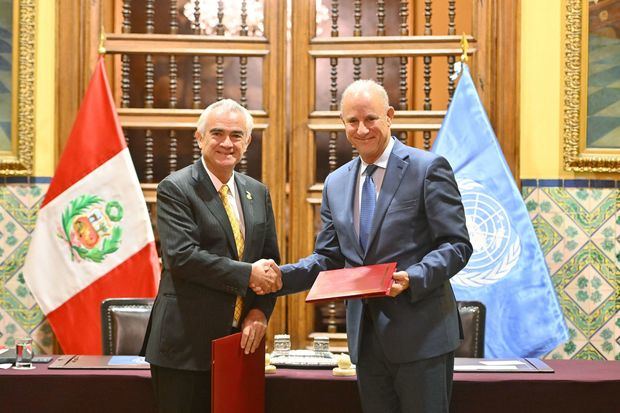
(264,278)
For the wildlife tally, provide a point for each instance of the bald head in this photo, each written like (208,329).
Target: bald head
(365,86)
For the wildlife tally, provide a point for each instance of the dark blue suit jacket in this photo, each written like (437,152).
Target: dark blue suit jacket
(419,223)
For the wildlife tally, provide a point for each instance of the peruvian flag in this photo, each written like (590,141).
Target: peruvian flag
(93,238)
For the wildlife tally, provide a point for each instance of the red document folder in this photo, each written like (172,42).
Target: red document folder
(359,282)
(237,379)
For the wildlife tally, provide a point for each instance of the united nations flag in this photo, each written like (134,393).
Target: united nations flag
(507,271)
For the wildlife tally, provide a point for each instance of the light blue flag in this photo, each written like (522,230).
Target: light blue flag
(507,271)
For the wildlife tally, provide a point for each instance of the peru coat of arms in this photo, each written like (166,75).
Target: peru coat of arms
(90,227)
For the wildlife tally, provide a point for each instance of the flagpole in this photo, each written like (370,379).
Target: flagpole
(101,48)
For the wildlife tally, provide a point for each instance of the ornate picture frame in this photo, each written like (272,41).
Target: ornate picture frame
(578,156)
(18,160)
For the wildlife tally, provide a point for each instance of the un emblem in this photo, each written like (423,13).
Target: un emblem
(497,246)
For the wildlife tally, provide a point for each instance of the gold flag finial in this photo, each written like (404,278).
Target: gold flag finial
(464,48)
(101,48)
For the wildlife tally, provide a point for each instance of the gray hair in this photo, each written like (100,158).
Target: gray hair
(229,105)
(365,85)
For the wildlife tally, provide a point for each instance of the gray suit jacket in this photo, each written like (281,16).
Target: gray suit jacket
(419,223)
(202,274)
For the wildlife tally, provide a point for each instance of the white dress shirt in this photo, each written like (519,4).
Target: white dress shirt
(233,195)
(377,178)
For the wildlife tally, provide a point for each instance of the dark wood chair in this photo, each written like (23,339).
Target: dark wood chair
(123,324)
(473,315)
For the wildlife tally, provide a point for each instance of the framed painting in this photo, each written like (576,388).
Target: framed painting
(17,45)
(591,86)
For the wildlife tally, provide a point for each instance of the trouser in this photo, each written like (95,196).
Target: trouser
(421,386)
(181,390)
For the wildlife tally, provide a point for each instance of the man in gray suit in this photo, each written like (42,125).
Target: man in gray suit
(399,204)
(213,224)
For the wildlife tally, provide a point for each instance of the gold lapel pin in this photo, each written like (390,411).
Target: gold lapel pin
(248,195)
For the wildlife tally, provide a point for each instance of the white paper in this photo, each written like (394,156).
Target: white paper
(501,362)
(475,367)
(6,366)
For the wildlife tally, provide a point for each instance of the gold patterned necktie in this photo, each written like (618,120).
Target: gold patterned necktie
(239,242)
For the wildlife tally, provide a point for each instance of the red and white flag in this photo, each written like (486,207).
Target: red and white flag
(93,238)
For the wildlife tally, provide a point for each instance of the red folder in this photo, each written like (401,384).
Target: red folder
(237,379)
(359,282)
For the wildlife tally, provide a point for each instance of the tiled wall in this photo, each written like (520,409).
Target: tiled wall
(19,313)
(577,223)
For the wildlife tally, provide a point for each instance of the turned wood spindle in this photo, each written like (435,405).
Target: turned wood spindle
(149,66)
(357,17)
(380,32)
(148,156)
(427,18)
(174,15)
(357,32)
(220,29)
(125,64)
(149,81)
(451,84)
(126,27)
(150,16)
(427,83)
(172,152)
(381,18)
(244,18)
(404,31)
(451,59)
(125,80)
(451,17)
(427,139)
(219,77)
(196,69)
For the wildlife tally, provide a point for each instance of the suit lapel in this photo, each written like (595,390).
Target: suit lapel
(212,200)
(247,206)
(394,173)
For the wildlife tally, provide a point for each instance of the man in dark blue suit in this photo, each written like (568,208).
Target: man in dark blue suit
(397,204)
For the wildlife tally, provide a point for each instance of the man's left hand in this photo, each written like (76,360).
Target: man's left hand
(400,284)
(253,330)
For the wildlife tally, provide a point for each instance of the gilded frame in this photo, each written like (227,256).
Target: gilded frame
(19,160)
(577,156)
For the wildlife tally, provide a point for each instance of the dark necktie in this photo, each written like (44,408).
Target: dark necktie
(367,209)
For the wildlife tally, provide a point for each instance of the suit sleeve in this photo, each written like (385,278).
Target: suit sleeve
(265,303)
(326,256)
(181,250)
(450,249)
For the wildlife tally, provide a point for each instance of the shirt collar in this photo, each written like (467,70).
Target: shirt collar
(383,159)
(216,181)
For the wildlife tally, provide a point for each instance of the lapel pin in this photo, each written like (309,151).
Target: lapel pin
(248,195)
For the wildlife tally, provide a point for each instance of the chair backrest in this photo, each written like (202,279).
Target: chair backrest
(124,321)
(473,315)
(123,324)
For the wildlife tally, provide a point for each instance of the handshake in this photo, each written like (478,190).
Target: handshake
(265,277)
